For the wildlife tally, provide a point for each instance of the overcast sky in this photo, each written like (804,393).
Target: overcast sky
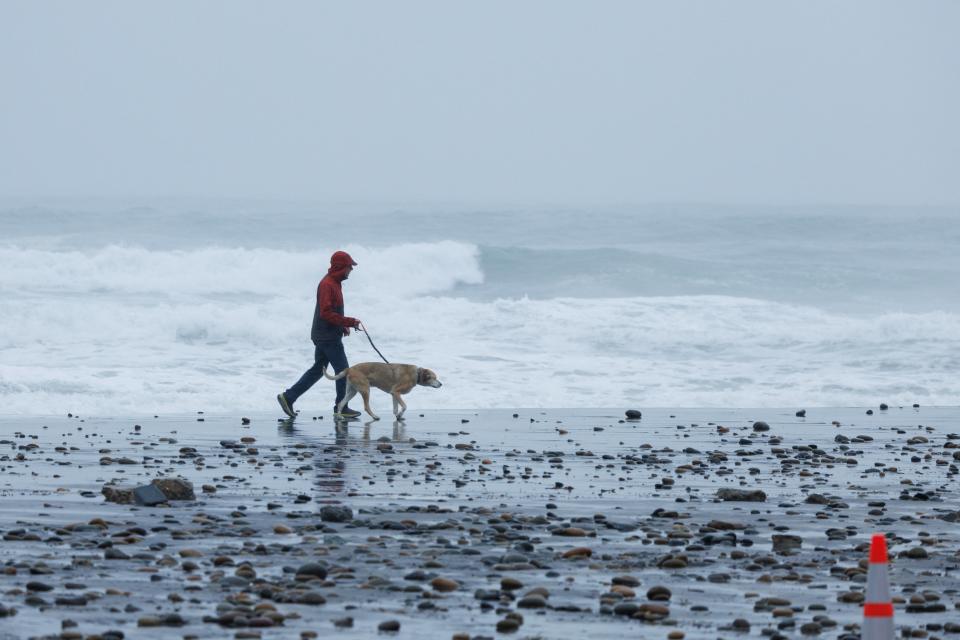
(830,101)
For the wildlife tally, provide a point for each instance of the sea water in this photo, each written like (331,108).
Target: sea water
(143,307)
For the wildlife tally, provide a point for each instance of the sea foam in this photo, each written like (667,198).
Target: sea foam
(124,329)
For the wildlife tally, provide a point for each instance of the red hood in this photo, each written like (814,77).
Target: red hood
(339,262)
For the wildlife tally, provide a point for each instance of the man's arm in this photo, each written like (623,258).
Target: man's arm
(328,313)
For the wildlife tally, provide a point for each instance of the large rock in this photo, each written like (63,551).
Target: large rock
(333,513)
(741,495)
(168,488)
(175,488)
(786,544)
(312,570)
(119,496)
(149,495)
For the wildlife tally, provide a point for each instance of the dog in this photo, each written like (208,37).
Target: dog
(395,379)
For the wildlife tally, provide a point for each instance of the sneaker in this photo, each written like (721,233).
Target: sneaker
(346,413)
(287,409)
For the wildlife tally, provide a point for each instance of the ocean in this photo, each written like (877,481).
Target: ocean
(177,306)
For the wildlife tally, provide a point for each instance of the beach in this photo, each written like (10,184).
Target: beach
(550,523)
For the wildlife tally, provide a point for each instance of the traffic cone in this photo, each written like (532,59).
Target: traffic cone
(878,607)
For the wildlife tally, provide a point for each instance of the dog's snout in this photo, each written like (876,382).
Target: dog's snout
(437,384)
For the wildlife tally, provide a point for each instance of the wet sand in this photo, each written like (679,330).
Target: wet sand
(526,523)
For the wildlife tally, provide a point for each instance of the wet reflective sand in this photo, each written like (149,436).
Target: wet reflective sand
(581,522)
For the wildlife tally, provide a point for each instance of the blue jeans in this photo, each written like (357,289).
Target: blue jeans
(329,352)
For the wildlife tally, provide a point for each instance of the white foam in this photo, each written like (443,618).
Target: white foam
(123,330)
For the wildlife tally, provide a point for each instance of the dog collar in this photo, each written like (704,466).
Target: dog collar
(418,375)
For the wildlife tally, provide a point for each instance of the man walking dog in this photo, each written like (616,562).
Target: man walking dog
(329,327)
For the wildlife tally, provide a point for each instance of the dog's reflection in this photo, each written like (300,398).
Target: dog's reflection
(399,430)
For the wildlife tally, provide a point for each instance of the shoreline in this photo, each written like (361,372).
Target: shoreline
(559,501)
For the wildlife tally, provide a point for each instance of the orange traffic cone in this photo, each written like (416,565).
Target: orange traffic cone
(878,607)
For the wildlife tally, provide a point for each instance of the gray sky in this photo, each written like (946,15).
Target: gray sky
(840,101)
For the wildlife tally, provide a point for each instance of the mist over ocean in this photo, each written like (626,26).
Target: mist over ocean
(176,306)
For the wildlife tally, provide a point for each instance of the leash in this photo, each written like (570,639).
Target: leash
(367,333)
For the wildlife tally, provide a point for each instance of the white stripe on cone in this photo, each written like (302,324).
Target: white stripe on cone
(878,625)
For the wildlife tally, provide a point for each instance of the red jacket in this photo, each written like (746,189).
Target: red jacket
(329,323)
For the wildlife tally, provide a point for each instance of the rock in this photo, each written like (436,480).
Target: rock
(633,414)
(651,612)
(312,570)
(389,626)
(761,426)
(175,488)
(532,602)
(311,598)
(785,544)
(659,594)
(149,495)
(507,625)
(336,513)
(578,552)
(119,496)
(444,584)
(169,488)
(741,495)
(510,584)
(673,562)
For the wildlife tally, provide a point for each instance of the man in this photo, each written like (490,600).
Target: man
(329,327)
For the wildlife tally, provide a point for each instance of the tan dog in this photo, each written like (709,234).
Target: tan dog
(395,379)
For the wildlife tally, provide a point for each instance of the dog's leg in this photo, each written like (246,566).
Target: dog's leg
(397,394)
(348,394)
(396,405)
(365,394)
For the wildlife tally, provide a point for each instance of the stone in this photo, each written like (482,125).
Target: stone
(741,495)
(149,495)
(785,544)
(118,496)
(336,513)
(444,584)
(313,570)
(507,625)
(389,626)
(175,488)
(532,602)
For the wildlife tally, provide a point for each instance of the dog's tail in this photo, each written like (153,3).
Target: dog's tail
(336,377)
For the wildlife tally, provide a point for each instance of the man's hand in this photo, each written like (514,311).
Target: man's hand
(346,331)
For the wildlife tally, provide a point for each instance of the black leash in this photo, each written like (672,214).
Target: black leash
(367,333)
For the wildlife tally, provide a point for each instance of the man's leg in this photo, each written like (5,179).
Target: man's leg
(310,376)
(337,357)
